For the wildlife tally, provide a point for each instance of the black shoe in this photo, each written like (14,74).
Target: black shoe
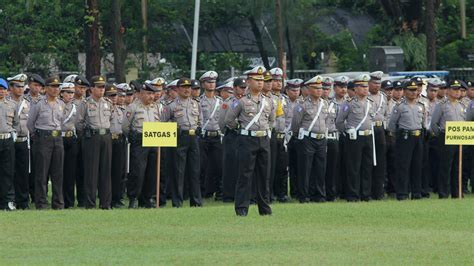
(227,200)
(23,207)
(366,199)
(241,212)
(318,200)
(106,208)
(400,198)
(81,205)
(283,199)
(133,204)
(416,197)
(304,200)
(425,195)
(352,199)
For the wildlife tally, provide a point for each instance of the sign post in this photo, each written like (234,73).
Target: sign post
(159,134)
(459,133)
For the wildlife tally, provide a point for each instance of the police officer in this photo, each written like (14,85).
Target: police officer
(355,120)
(333,162)
(93,125)
(22,156)
(118,146)
(255,114)
(70,143)
(279,153)
(407,122)
(430,151)
(186,113)
(210,139)
(293,91)
(230,140)
(380,104)
(141,185)
(450,109)
(35,84)
(44,121)
(8,122)
(309,125)
(396,93)
(225,91)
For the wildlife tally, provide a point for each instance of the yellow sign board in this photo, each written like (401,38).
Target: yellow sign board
(459,133)
(159,134)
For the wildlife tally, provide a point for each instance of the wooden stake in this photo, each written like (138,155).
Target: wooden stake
(460,173)
(158,166)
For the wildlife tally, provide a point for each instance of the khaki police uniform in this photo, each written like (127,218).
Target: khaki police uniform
(313,148)
(93,125)
(447,110)
(407,122)
(8,122)
(186,113)
(141,183)
(44,122)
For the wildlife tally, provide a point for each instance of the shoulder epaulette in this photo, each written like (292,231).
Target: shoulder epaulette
(370,99)
(219,98)
(196,99)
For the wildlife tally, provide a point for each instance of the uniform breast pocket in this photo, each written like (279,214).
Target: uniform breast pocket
(178,113)
(92,112)
(139,116)
(195,112)
(249,110)
(10,117)
(357,110)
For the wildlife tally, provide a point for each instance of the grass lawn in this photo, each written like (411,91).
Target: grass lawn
(388,232)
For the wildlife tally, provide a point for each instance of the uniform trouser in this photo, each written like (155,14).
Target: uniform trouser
(359,167)
(293,146)
(166,172)
(280,169)
(49,160)
(119,148)
(97,156)
(409,156)
(312,169)
(229,170)
(141,183)
(426,170)
(80,175)
(7,167)
(70,168)
(210,152)
(467,167)
(332,168)
(433,154)
(254,159)
(378,172)
(448,169)
(186,164)
(31,179)
(342,173)
(391,164)
(273,162)
(21,180)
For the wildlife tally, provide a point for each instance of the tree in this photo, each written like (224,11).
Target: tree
(92,42)
(117,42)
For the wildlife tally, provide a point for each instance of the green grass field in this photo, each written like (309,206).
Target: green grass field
(388,232)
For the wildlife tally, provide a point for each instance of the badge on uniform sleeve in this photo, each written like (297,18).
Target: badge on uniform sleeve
(300,109)
(234,104)
(128,114)
(346,107)
(224,106)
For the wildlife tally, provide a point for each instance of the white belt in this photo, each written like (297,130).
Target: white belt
(367,132)
(333,135)
(5,135)
(261,133)
(21,139)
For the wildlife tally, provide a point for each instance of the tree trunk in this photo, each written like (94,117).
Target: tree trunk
(258,38)
(280,32)
(430,31)
(92,46)
(145,39)
(117,42)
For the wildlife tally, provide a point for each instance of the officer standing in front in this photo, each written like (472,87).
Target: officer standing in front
(93,126)
(309,125)
(449,109)
(355,121)
(22,149)
(230,141)
(8,121)
(293,91)
(70,143)
(406,122)
(141,185)
(255,114)
(186,112)
(380,105)
(210,146)
(44,123)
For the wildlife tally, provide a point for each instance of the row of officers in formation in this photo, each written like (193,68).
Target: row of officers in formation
(253,139)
